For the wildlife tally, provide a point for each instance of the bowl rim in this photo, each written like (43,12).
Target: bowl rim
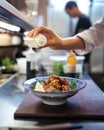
(28,83)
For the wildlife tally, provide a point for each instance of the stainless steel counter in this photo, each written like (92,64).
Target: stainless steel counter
(12,94)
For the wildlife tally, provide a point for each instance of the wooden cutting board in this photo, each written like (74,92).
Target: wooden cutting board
(86,104)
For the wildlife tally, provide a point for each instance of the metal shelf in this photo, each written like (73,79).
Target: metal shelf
(14,16)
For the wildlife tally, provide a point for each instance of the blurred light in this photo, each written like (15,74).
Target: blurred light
(34,12)
(85,8)
(26,33)
(56,3)
(9,26)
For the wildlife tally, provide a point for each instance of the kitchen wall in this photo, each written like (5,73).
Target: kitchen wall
(97,58)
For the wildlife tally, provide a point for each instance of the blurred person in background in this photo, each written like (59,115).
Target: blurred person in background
(71,8)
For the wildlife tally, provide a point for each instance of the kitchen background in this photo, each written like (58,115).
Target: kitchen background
(51,13)
(47,13)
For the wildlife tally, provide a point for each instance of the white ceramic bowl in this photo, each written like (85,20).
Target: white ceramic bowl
(54,98)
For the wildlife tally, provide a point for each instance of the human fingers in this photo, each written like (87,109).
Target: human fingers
(36,31)
(31,32)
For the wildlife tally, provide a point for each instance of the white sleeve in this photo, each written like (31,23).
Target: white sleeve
(93,37)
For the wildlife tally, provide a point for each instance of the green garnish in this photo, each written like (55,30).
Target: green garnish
(33,87)
(72,84)
(58,68)
(7,62)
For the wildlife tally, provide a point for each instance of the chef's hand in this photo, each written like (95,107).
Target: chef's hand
(53,40)
(57,43)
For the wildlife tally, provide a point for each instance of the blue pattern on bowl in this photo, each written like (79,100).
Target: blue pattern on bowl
(54,98)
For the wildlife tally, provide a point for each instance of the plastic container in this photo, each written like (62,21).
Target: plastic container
(21,65)
(80,66)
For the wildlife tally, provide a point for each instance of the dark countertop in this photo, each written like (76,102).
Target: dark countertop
(11,96)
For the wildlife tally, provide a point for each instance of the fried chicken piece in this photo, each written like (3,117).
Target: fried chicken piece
(50,89)
(56,83)
(64,81)
(54,77)
(65,88)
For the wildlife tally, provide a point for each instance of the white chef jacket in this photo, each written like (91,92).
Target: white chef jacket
(93,37)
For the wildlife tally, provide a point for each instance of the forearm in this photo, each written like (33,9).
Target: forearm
(73,43)
(57,43)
